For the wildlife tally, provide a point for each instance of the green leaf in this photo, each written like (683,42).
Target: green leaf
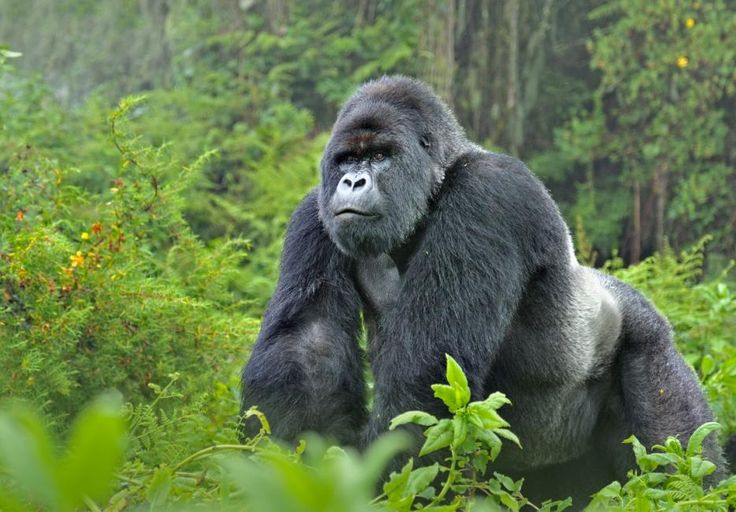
(438,437)
(509,501)
(452,507)
(457,379)
(507,434)
(639,450)
(27,455)
(421,478)
(417,417)
(496,400)
(612,490)
(695,444)
(159,487)
(459,430)
(707,365)
(449,395)
(660,459)
(490,418)
(396,486)
(506,481)
(490,440)
(95,450)
(700,468)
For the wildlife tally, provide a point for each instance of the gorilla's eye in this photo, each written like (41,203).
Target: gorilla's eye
(379,157)
(351,159)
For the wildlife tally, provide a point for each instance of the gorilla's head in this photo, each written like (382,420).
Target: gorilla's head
(390,147)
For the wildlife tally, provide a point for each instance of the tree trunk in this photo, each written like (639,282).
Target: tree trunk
(513,101)
(439,40)
(635,252)
(659,187)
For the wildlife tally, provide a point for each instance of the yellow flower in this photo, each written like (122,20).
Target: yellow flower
(682,62)
(689,23)
(77,259)
(85,236)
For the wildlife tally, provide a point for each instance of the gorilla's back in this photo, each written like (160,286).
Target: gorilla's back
(555,364)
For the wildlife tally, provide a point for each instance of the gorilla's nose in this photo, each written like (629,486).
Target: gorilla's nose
(355,183)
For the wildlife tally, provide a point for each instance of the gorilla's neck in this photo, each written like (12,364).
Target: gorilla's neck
(402,254)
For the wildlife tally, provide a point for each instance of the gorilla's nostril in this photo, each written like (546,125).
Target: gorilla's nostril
(360,183)
(347,182)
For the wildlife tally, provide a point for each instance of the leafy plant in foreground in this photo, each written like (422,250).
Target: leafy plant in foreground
(669,477)
(43,477)
(316,476)
(473,436)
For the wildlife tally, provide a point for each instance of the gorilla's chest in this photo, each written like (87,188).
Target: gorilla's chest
(379,282)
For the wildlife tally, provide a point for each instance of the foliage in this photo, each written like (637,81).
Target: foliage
(110,289)
(52,481)
(703,315)
(669,478)
(660,117)
(315,476)
(473,435)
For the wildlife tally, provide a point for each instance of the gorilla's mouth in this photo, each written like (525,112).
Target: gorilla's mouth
(352,212)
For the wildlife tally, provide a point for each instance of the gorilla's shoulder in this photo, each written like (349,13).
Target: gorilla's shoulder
(484,163)
(497,178)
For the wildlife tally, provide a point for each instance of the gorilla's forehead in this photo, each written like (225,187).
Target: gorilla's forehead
(373,116)
(370,127)
(360,141)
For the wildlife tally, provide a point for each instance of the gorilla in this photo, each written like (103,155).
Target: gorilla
(438,246)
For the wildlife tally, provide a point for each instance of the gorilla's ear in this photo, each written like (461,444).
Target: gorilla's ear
(426,141)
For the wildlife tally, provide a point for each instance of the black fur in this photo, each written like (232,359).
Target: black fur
(447,248)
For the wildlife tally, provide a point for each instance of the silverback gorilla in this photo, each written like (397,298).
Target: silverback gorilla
(447,248)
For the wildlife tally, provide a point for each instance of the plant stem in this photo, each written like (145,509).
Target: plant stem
(209,450)
(450,478)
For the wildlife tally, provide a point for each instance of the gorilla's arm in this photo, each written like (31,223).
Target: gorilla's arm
(305,372)
(492,226)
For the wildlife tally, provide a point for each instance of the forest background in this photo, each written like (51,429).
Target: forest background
(140,238)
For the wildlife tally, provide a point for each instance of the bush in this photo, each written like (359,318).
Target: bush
(110,289)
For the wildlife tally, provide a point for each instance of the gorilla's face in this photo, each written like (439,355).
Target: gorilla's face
(377,179)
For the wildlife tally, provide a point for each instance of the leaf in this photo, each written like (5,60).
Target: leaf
(452,507)
(700,468)
(459,430)
(457,379)
(159,487)
(490,440)
(612,490)
(421,478)
(438,437)
(639,450)
(397,483)
(95,451)
(659,459)
(509,501)
(27,454)
(707,365)
(507,434)
(496,400)
(695,443)
(490,418)
(448,395)
(506,481)
(417,417)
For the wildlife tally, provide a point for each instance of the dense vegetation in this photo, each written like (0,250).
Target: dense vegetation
(139,239)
